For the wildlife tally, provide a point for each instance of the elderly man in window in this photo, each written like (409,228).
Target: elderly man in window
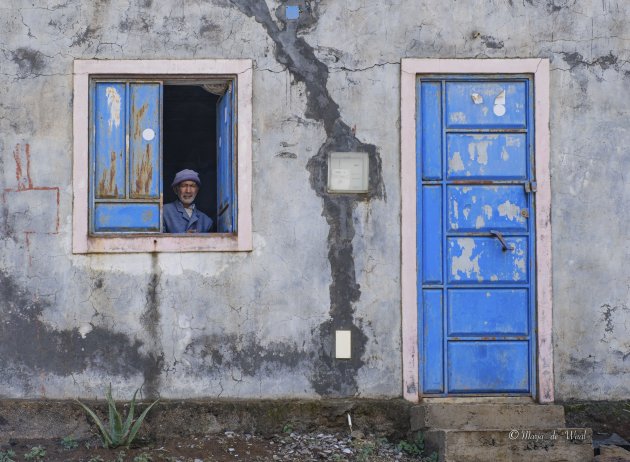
(181,216)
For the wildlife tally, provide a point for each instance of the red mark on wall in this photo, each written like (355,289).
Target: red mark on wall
(31,209)
(23,159)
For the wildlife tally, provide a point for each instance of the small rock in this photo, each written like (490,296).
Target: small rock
(357,434)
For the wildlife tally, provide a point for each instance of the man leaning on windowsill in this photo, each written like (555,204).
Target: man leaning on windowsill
(181,216)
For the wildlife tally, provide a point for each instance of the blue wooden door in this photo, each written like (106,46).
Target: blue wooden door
(476,235)
(226,166)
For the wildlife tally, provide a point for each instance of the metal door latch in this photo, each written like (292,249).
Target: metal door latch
(531,187)
(223,208)
(501,239)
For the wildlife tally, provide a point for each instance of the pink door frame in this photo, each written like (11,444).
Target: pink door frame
(410,69)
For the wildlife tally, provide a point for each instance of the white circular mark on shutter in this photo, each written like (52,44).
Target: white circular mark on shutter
(499,110)
(148,134)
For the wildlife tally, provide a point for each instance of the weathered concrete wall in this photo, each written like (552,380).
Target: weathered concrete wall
(261,324)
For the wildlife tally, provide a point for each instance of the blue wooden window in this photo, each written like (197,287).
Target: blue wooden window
(226,167)
(126,169)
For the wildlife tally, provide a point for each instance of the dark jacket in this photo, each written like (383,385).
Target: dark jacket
(176,219)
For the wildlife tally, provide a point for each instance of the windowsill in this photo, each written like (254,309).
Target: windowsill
(210,242)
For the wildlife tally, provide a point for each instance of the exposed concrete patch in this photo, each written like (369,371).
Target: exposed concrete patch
(330,376)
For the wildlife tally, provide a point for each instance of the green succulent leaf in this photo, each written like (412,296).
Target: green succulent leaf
(138,423)
(129,419)
(118,434)
(105,436)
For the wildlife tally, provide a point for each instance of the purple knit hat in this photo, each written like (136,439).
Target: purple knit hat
(186,175)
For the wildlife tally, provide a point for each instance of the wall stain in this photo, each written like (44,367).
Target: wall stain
(29,61)
(553,6)
(607,315)
(242,352)
(330,377)
(208,28)
(30,348)
(86,36)
(286,155)
(491,42)
(150,320)
(575,59)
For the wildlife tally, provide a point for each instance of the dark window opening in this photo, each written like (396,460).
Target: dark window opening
(189,118)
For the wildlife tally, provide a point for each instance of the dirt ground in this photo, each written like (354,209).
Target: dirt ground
(228,446)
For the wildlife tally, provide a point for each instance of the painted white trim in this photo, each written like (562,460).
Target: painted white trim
(83,70)
(410,69)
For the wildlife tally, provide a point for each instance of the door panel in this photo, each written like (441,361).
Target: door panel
(480,104)
(483,260)
(433,340)
(484,208)
(432,235)
(484,312)
(495,155)
(475,236)
(486,366)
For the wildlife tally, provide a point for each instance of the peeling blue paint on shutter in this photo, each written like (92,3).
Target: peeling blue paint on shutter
(226,162)
(110,126)
(125,193)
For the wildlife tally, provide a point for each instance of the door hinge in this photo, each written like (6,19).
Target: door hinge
(531,187)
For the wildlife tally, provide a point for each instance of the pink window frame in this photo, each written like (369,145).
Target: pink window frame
(410,70)
(82,242)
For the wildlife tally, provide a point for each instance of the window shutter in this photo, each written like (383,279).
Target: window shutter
(226,165)
(126,146)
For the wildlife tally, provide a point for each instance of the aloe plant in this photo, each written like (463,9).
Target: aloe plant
(118,433)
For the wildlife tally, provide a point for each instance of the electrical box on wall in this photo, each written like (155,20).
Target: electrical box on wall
(348,172)
(343,344)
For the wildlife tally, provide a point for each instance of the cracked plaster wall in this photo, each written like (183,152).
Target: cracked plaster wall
(260,324)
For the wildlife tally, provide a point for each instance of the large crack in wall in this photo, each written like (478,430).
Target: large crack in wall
(330,377)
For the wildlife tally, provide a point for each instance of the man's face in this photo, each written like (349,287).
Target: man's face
(187,192)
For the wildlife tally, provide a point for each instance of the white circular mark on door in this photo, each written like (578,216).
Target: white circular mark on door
(499,110)
(148,134)
(499,104)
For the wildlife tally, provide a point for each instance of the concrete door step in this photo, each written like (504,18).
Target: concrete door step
(485,416)
(517,445)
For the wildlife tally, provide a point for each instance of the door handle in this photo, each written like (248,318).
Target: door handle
(501,239)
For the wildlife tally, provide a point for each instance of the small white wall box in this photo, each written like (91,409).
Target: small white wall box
(343,344)
(348,172)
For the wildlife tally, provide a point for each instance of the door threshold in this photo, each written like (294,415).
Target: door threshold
(479,399)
